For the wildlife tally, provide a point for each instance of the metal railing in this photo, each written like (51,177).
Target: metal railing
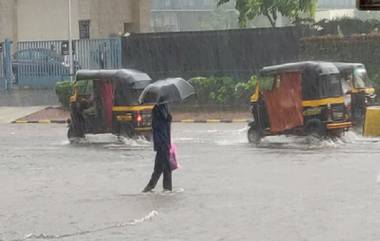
(40,64)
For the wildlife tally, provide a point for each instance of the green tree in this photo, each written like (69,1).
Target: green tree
(293,9)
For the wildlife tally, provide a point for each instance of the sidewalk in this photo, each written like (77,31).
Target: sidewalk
(49,115)
(9,114)
(26,97)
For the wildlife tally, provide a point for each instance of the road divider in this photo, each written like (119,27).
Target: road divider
(174,121)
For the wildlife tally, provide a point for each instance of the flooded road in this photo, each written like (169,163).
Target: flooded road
(288,188)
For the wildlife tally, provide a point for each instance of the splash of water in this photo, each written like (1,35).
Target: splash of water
(378,178)
(140,141)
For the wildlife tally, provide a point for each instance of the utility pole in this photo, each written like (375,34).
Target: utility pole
(71,62)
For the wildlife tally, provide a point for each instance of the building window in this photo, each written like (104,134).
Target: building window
(128,28)
(84,29)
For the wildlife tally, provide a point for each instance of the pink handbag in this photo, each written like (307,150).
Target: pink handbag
(173,158)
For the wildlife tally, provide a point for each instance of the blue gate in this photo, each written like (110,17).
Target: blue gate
(6,65)
(40,64)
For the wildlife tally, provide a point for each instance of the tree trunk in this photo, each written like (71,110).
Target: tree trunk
(272,18)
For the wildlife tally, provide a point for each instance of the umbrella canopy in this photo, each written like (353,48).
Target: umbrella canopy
(167,91)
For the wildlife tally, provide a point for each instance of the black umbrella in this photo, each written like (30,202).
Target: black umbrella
(167,91)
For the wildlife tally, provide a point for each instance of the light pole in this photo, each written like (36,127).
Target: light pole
(70,43)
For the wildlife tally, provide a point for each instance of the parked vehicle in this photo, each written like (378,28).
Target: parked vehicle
(40,61)
(106,101)
(303,98)
(357,88)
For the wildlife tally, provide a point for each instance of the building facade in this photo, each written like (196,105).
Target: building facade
(328,9)
(195,15)
(23,20)
(336,4)
(191,15)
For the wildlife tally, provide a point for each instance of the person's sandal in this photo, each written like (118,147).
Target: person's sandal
(147,189)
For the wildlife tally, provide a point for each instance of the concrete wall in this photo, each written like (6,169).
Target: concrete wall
(7,19)
(142,15)
(48,19)
(44,19)
(108,17)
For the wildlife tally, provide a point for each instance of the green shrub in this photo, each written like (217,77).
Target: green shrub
(64,89)
(209,90)
(244,90)
(223,90)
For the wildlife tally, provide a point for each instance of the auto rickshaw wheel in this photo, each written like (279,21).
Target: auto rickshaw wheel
(148,137)
(126,131)
(315,128)
(254,135)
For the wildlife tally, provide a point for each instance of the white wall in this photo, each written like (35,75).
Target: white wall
(7,19)
(23,20)
(45,19)
(333,14)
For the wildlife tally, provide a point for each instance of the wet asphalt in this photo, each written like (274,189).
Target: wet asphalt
(287,188)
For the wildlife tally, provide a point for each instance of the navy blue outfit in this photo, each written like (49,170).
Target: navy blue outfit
(161,121)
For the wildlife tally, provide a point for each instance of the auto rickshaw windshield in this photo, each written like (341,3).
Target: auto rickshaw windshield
(361,79)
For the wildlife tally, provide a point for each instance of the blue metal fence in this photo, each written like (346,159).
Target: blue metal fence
(40,64)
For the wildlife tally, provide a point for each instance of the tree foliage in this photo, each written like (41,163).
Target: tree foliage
(293,9)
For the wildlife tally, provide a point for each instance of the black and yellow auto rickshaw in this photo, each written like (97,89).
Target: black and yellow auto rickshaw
(358,91)
(106,101)
(303,98)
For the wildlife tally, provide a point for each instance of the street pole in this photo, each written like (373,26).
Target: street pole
(70,43)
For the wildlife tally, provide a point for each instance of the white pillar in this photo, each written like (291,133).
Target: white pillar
(71,62)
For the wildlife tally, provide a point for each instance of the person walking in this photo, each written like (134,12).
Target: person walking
(161,121)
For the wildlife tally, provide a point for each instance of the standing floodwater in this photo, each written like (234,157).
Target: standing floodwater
(287,188)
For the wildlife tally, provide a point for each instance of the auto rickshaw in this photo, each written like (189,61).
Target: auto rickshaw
(303,98)
(106,101)
(357,89)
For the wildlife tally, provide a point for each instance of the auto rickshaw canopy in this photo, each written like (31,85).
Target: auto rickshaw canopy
(132,78)
(319,79)
(342,66)
(319,67)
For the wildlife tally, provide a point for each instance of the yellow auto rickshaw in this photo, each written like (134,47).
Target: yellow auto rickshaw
(303,98)
(359,92)
(106,101)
